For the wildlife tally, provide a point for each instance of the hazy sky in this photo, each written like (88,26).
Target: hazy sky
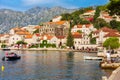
(22,5)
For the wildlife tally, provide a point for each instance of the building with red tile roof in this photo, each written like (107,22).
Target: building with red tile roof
(14,38)
(84,28)
(106,30)
(88,15)
(105,16)
(80,39)
(105,33)
(59,28)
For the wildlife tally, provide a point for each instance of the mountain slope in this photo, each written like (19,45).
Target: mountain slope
(33,16)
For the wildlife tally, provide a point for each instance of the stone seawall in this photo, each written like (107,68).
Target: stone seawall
(114,76)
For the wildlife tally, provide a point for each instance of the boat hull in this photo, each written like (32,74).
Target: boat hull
(10,58)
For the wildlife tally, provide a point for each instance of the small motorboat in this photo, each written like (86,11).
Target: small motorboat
(11,56)
(92,58)
(6,49)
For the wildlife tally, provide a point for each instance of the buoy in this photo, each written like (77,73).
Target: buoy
(2,68)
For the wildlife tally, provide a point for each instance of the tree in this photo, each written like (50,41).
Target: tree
(103,8)
(79,31)
(21,42)
(41,23)
(114,7)
(97,13)
(36,31)
(115,24)
(112,43)
(84,22)
(93,40)
(66,16)
(99,23)
(70,40)
(3,45)
(76,20)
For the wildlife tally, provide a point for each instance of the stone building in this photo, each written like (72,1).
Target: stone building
(59,28)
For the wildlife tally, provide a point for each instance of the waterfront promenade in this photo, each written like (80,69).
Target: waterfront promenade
(41,49)
(53,49)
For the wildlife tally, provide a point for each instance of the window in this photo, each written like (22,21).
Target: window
(75,42)
(79,42)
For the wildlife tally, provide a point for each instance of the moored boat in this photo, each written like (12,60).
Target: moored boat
(92,58)
(11,56)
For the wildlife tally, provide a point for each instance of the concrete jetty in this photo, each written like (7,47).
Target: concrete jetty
(114,76)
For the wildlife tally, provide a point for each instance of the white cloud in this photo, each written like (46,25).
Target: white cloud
(34,2)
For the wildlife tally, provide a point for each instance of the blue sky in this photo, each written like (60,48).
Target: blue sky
(22,5)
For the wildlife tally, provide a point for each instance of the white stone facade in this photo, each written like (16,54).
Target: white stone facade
(85,40)
(14,38)
(84,29)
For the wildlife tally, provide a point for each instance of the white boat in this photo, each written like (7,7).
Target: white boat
(92,58)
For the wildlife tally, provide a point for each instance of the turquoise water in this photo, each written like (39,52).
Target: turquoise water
(51,65)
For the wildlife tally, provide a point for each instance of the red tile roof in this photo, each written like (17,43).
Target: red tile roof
(1,35)
(106,29)
(96,32)
(58,22)
(110,17)
(76,35)
(87,25)
(28,36)
(60,37)
(79,26)
(112,34)
(22,33)
(48,37)
(89,11)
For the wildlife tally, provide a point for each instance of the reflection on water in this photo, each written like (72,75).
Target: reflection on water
(51,65)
